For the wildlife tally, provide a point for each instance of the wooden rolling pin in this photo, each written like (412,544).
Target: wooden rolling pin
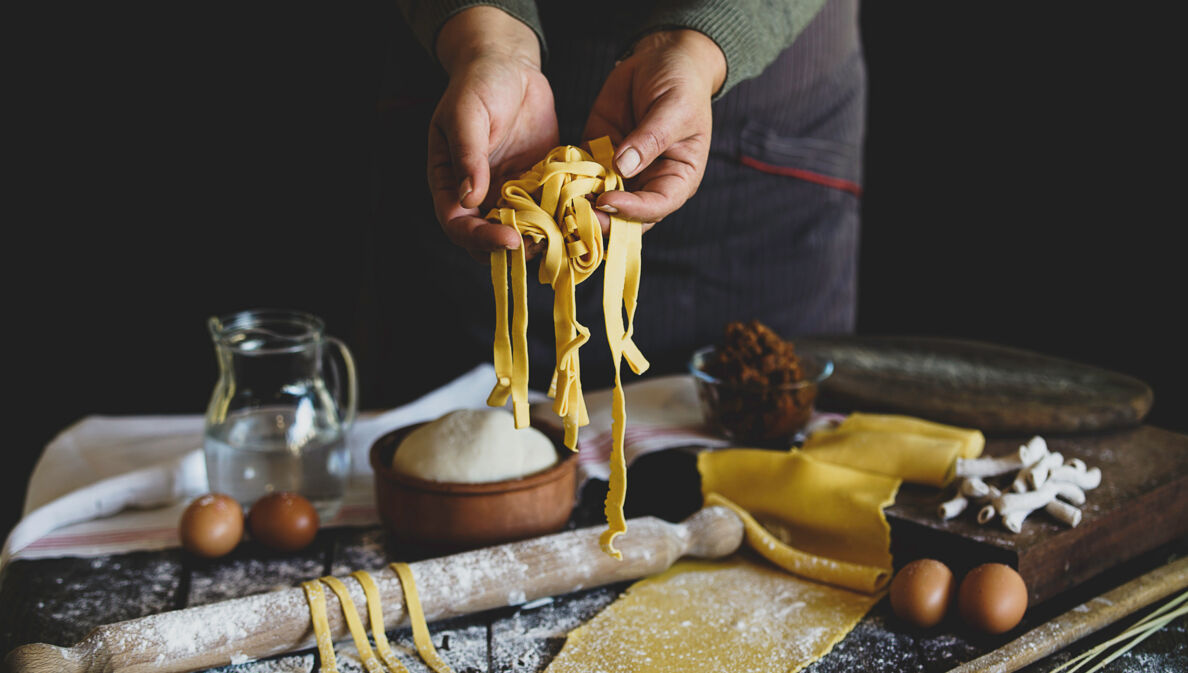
(271,623)
(1082,620)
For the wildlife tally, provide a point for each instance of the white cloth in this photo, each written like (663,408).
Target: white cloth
(91,493)
(662,413)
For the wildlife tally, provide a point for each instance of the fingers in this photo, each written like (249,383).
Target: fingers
(665,123)
(664,156)
(605,222)
(656,199)
(459,177)
(480,236)
(443,183)
(467,132)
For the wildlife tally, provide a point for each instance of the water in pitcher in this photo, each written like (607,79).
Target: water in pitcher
(258,451)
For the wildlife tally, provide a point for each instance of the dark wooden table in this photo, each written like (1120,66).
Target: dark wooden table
(59,600)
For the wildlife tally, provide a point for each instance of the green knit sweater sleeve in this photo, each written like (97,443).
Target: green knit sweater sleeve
(426,17)
(751,33)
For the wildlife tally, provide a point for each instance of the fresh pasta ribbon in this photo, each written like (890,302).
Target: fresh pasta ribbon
(416,617)
(375,614)
(316,597)
(358,633)
(548,204)
(321,626)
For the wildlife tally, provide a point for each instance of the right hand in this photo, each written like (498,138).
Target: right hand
(495,120)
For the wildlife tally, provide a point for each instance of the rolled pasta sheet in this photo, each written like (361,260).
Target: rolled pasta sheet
(919,459)
(821,521)
(972,440)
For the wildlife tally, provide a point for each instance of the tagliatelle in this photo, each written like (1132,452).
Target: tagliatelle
(416,617)
(358,633)
(548,204)
(316,597)
(375,613)
(321,627)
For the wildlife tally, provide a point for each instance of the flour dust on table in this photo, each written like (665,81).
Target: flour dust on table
(738,615)
(299,664)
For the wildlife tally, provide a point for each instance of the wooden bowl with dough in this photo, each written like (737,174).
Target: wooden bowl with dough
(448,516)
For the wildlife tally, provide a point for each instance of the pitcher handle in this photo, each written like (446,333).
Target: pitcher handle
(352,384)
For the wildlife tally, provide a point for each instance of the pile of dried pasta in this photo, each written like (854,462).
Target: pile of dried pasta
(549,204)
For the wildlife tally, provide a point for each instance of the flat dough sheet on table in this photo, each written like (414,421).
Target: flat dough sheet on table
(746,613)
(794,592)
(737,615)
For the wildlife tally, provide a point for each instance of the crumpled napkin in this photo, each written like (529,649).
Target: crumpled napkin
(662,412)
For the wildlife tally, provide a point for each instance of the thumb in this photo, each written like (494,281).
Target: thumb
(655,133)
(468,133)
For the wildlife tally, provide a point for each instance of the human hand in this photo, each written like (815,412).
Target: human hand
(494,121)
(655,106)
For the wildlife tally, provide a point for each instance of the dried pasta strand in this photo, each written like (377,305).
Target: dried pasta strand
(375,614)
(1135,634)
(321,627)
(354,624)
(548,203)
(416,617)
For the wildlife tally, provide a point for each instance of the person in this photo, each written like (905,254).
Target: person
(738,126)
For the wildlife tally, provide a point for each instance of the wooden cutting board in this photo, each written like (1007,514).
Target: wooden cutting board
(997,389)
(1142,503)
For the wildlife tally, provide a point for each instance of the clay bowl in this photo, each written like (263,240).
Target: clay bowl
(446,517)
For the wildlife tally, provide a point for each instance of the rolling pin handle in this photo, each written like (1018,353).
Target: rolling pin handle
(714,532)
(42,658)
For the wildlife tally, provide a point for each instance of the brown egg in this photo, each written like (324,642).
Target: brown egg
(992,598)
(283,521)
(211,525)
(921,592)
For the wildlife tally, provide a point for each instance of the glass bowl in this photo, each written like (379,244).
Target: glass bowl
(763,414)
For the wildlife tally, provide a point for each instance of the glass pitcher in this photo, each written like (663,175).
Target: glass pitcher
(273,423)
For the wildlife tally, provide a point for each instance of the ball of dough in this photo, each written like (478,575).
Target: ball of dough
(473,446)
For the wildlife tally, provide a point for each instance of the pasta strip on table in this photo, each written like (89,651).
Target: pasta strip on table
(548,204)
(316,597)
(416,617)
(375,613)
(358,633)
(321,627)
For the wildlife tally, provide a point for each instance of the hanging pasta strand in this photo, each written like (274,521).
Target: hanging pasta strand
(548,204)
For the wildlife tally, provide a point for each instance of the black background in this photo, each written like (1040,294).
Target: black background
(171,161)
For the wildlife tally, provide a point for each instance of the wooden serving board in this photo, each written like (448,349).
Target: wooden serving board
(1142,502)
(996,389)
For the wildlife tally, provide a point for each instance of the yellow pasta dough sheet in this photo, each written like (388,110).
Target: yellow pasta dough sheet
(820,509)
(912,449)
(918,459)
(741,614)
(817,555)
(972,440)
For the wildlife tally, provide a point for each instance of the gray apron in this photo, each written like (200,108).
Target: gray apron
(771,234)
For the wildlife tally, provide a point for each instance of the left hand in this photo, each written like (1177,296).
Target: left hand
(655,106)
